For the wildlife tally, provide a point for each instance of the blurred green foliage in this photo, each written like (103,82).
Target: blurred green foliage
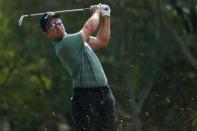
(151,65)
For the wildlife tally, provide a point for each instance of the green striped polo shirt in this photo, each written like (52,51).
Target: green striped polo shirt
(80,61)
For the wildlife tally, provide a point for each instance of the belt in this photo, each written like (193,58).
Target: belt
(90,89)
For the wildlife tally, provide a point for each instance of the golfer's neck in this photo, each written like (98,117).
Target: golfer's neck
(58,39)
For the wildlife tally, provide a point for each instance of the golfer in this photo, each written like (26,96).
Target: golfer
(92,103)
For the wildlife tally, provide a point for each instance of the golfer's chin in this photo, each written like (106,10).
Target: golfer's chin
(61,32)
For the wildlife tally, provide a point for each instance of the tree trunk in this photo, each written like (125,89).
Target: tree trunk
(137,106)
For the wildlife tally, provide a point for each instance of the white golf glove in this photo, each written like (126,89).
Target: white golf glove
(105,10)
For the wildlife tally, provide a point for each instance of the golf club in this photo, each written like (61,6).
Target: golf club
(20,22)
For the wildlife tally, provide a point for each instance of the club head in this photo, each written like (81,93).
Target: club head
(20,22)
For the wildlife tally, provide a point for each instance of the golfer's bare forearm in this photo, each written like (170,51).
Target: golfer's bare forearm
(104,31)
(103,35)
(92,24)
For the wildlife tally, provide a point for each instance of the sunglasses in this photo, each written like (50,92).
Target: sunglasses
(55,24)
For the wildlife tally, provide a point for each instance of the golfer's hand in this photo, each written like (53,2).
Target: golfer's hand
(105,10)
(95,8)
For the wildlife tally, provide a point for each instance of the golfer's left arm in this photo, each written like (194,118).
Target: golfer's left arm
(103,35)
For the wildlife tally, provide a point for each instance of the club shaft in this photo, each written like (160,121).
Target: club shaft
(60,11)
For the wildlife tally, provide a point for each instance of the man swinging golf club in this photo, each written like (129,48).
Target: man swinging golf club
(92,104)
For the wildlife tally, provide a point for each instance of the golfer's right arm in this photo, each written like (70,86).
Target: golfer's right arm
(103,35)
(92,23)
